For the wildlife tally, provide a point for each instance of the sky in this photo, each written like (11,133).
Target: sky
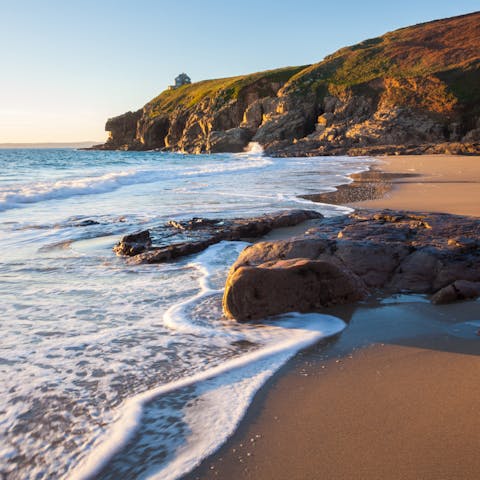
(67,66)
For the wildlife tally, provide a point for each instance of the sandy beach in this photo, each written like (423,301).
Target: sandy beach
(436,183)
(395,395)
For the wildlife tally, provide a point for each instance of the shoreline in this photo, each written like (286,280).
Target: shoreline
(404,407)
(345,405)
(428,183)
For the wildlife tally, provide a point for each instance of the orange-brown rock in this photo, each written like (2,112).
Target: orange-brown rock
(384,251)
(299,285)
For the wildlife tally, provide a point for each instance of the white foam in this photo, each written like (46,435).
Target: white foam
(304,330)
(175,317)
(319,206)
(254,147)
(222,167)
(15,196)
(102,322)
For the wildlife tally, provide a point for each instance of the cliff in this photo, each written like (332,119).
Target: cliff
(413,90)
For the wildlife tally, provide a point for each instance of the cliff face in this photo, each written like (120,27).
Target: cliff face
(415,90)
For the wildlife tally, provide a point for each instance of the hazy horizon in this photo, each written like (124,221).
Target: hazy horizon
(69,67)
(78,144)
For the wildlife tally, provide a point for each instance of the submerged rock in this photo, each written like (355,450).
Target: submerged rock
(382,251)
(200,233)
(133,244)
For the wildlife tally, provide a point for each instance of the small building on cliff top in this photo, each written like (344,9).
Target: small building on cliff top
(182,79)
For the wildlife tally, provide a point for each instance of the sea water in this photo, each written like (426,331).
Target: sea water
(113,371)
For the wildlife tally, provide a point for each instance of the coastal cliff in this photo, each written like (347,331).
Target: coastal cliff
(414,90)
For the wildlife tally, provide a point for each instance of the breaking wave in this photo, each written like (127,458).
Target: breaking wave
(17,195)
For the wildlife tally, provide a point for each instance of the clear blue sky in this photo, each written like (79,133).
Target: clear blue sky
(69,65)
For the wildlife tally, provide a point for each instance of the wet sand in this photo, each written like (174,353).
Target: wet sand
(395,396)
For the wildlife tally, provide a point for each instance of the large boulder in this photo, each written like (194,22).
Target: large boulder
(299,285)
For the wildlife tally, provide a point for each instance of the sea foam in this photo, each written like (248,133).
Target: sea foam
(18,194)
(225,390)
(89,333)
(251,370)
(255,148)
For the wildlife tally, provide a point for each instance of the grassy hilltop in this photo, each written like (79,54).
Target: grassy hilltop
(225,89)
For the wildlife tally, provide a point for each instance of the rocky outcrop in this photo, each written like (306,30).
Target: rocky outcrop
(458,290)
(180,238)
(210,116)
(233,140)
(298,285)
(414,90)
(413,115)
(122,131)
(340,259)
(133,244)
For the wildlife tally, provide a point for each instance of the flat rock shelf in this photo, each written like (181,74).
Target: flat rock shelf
(177,239)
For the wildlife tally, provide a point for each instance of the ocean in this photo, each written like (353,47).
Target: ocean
(109,370)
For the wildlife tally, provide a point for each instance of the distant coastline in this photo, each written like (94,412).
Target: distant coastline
(85,144)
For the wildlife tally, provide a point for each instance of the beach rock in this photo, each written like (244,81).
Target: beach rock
(417,272)
(263,252)
(299,285)
(458,290)
(165,254)
(133,244)
(387,251)
(203,232)
(374,262)
(196,223)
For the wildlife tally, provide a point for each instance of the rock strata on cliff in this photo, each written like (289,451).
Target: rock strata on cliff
(414,90)
(342,259)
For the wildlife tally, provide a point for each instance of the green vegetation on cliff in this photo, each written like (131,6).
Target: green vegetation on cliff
(222,89)
(443,48)
(418,51)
